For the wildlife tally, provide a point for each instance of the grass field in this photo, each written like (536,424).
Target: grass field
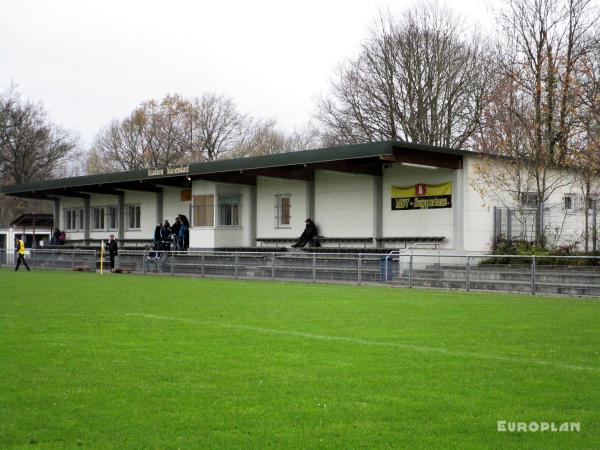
(124,361)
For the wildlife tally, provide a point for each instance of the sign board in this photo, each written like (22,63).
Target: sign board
(171,170)
(422,196)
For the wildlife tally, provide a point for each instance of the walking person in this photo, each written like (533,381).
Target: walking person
(20,250)
(113,250)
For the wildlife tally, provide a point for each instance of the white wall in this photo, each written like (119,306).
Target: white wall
(343,204)
(266,190)
(429,222)
(172,204)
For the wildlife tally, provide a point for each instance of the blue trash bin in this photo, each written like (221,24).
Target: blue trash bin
(390,268)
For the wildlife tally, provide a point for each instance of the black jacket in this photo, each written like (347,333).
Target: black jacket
(113,247)
(310,231)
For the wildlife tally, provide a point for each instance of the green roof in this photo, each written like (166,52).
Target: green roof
(346,152)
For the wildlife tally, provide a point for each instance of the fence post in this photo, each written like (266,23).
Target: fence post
(202,268)
(533,275)
(72,259)
(594,224)
(468,274)
(52,260)
(144,262)
(359,269)
(273,266)
(314,268)
(235,266)
(410,266)
(509,215)
(172,257)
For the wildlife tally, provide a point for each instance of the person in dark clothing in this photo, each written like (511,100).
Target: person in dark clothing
(56,237)
(157,235)
(165,235)
(175,233)
(307,236)
(20,250)
(184,233)
(113,250)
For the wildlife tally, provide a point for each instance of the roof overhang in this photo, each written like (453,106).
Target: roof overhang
(367,159)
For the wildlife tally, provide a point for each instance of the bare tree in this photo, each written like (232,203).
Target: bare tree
(422,78)
(216,127)
(264,138)
(532,116)
(31,148)
(153,135)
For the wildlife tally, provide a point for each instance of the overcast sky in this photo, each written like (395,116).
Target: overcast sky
(91,61)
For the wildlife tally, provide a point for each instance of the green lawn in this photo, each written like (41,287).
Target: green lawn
(125,361)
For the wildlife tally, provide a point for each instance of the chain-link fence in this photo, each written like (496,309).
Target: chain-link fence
(570,275)
(556,225)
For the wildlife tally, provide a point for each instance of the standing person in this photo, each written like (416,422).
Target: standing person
(184,233)
(175,233)
(56,237)
(62,238)
(113,250)
(20,250)
(165,235)
(307,235)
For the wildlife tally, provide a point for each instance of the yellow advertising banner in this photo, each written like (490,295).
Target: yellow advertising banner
(422,196)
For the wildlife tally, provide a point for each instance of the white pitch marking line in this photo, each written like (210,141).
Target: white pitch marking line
(417,348)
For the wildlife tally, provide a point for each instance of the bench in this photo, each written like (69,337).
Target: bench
(433,240)
(320,239)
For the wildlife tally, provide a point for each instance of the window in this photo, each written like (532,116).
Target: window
(229,209)
(74,219)
(569,202)
(283,205)
(133,220)
(113,217)
(98,218)
(204,211)
(529,199)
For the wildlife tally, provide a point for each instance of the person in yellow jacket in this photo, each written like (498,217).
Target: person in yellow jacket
(20,249)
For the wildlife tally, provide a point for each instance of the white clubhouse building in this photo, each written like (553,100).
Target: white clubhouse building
(383,195)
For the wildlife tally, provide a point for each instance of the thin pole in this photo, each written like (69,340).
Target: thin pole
(359,269)
(468,274)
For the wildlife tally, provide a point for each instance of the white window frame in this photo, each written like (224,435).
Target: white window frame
(76,219)
(108,217)
(101,217)
(526,198)
(278,212)
(237,206)
(572,198)
(128,209)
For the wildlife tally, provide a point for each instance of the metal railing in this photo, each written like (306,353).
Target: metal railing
(571,275)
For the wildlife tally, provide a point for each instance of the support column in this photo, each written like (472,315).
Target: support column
(310,200)
(159,206)
(86,218)
(458,207)
(377,209)
(252,218)
(56,217)
(121,224)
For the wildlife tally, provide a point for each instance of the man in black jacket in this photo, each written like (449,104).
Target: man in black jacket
(113,250)
(309,233)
